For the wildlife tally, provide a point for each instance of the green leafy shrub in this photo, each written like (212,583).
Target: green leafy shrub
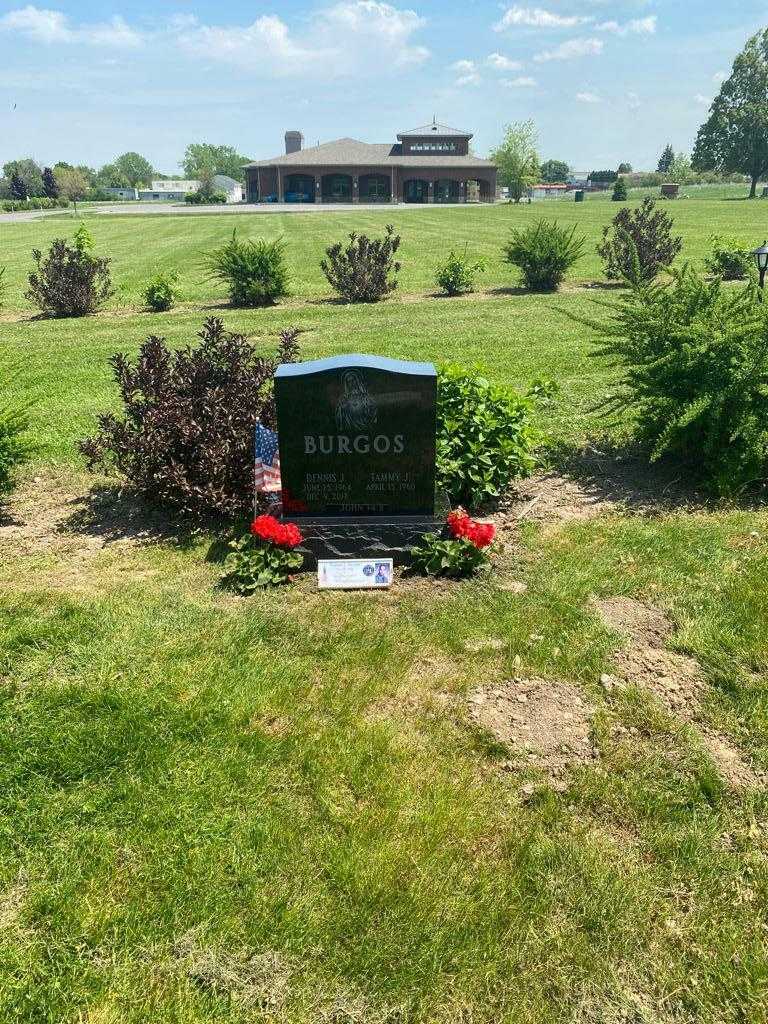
(364,270)
(544,252)
(485,435)
(620,191)
(695,374)
(185,436)
(206,198)
(69,280)
(454,558)
(729,259)
(639,243)
(35,203)
(456,274)
(255,271)
(250,565)
(14,447)
(160,292)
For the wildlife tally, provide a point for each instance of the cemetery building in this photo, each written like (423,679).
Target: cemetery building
(430,164)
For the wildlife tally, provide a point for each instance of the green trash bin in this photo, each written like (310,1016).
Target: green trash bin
(578,195)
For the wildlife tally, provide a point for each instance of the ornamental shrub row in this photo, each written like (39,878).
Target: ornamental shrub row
(36,203)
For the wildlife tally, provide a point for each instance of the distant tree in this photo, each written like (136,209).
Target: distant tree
(625,168)
(680,170)
(205,176)
(199,156)
(50,186)
(73,184)
(554,171)
(620,191)
(18,188)
(734,138)
(666,159)
(602,177)
(136,169)
(517,159)
(30,173)
(109,176)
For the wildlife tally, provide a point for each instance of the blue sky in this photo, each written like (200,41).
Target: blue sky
(604,80)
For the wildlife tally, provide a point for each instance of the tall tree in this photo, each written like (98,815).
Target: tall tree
(625,168)
(18,188)
(734,138)
(517,159)
(50,186)
(30,173)
(135,168)
(109,176)
(666,159)
(73,184)
(554,170)
(201,156)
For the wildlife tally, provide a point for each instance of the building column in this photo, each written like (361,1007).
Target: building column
(430,191)
(280,194)
(462,191)
(394,189)
(355,189)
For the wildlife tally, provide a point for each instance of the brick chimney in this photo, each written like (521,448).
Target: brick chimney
(293,142)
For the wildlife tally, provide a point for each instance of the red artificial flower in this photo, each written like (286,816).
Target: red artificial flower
(284,535)
(479,534)
(458,521)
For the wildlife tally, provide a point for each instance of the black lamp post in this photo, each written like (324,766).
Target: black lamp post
(761,258)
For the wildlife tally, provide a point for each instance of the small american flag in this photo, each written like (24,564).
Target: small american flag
(267,461)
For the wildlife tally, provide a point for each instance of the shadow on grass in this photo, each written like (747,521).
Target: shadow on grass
(114,513)
(621,474)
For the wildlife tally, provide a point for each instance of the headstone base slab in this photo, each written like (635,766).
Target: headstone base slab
(374,537)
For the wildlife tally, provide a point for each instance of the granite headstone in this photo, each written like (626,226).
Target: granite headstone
(357,453)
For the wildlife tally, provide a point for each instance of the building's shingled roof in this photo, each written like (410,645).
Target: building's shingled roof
(443,130)
(352,152)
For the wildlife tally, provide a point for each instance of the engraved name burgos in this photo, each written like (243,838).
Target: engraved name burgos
(355,411)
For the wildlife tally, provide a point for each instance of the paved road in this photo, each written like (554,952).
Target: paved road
(196,211)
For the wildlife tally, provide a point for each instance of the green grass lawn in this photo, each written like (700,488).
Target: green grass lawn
(179,242)
(215,809)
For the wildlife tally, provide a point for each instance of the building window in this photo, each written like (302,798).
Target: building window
(433,147)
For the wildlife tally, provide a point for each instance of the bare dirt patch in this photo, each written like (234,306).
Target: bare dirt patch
(256,980)
(546,722)
(12,903)
(674,679)
(58,524)
(599,479)
(551,496)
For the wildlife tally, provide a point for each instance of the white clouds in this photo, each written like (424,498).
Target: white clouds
(359,35)
(572,49)
(388,28)
(499,62)
(521,82)
(719,77)
(346,38)
(588,97)
(633,101)
(266,41)
(53,27)
(704,101)
(467,72)
(638,26)
(535,17)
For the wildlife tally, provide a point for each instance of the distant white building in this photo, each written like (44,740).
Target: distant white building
(175,189)
(121,193)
